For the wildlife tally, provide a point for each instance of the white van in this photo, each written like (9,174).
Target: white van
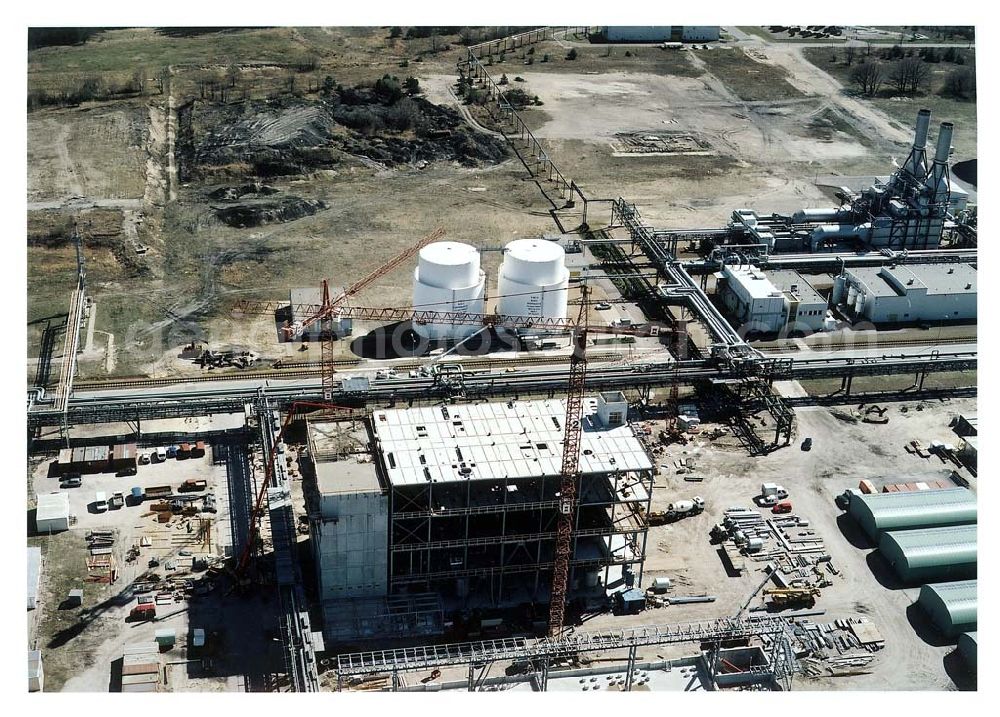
(161,454)
(100,501)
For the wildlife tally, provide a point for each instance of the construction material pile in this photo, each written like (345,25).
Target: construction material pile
(834,649)
(797,553)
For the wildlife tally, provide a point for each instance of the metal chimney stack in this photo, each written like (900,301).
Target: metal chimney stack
(939,178)
(916,163)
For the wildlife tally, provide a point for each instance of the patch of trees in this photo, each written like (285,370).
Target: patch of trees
(960,84)
(39,37)
(94,89)
(869,77)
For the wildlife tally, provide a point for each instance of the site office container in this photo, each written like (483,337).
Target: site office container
(124,458)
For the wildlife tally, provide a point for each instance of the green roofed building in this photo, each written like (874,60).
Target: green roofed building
(931,554)
(879,512)
(952,607)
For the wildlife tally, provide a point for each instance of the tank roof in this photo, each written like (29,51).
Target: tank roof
(534,250)
(449,252)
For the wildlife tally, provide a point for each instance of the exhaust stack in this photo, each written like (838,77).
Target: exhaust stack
(916,163)
(938,181)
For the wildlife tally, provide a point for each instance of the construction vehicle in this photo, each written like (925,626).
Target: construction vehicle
(193,485)
(158,491)
(676,511)
(782,598)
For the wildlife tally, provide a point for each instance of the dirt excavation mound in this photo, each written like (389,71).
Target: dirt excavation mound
(294,136)
(231,194)
(255,214)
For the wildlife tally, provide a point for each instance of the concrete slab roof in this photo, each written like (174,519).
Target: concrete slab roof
(52,505)
(757,284)
(497,441)
(937,279)
(785,279)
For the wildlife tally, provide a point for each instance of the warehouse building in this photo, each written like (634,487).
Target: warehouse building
(454,507)
(771,303)
(880,512)
(52,513)
(910,293)
(931,553)
(663,33)
(952,607)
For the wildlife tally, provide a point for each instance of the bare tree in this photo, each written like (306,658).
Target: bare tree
(849,51)
(868,76)
(909,75)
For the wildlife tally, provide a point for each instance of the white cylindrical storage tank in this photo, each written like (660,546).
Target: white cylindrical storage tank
(533,280)
(448,278)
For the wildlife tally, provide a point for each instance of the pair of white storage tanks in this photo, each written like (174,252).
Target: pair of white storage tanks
(533,281)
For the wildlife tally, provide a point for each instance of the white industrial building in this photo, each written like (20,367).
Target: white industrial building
(663,33)
(772,302)
(533,280)
(36,675)
(52,513)
(448,278)
(908,293)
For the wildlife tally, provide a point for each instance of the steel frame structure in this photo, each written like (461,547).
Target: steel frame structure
(487,652)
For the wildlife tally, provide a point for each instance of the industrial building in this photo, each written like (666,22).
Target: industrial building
(663,33)
(52,513)
(952,607)
(772,302)
(907,211)
(910,293)
(303,304)
(448,278)
(880,512)
(458,506)
(931,553)
(533,280)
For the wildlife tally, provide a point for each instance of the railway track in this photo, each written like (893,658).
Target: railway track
(311,369)
(791,345)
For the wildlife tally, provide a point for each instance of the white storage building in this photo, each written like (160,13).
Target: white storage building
(914,292)
(52,514)
(767,303)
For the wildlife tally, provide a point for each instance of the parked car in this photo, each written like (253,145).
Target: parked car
(144,459)
(72,482)
(161,454)
(782,507)
(807,444)
(602,306)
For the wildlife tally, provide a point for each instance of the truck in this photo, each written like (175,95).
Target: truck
(100,501)
(784,506)
(676,510)
(193,485)
(117,500)
(772,493)
(782,598)
(159,491)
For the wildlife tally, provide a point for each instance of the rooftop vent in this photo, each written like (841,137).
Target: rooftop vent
(951,270)
(968,286)
(909,282)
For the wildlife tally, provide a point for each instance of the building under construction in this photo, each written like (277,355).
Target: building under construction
(459,504)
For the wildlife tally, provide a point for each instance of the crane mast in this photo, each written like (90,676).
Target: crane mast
(570,472)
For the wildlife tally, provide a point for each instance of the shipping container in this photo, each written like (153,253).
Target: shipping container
(199,449)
